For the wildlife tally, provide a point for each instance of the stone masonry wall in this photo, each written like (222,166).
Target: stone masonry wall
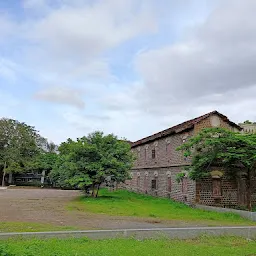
(213,121)
(166,184)
(229,187)
(168,163)
(204,190)
(165,152)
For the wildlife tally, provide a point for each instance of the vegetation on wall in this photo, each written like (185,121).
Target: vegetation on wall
(180,176)
(217,147)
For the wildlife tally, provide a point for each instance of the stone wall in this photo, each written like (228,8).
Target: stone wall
(230,193)
(166,184)
(165,148)
(158,160)
(165,152)
(248,128)
(213,121)
(204,190)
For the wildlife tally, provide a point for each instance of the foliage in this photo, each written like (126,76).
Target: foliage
(217,147)
(180,176)
(222,148)
(205,245)
(51,147)
(43,161)
(23,149)
(125,203)
(247,122)
(92,160)
(19,143)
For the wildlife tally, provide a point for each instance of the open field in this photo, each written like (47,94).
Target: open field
(125,203)
(68,247)
(48,209)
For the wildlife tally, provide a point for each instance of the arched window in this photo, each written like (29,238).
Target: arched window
(153,153)
(216,187)
(154,184)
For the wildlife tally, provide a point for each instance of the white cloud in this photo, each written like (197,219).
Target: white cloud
(219,58)
(69,42)
(82,32)
(181,74)
(62,95)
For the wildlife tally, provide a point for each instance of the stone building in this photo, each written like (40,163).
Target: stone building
(248,128)
(158,164)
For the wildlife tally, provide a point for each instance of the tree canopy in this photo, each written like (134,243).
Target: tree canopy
(219,147)
(19,143)
(249,122)
(22,148)
(92,160)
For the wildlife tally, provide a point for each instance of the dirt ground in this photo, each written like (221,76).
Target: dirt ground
(50,206)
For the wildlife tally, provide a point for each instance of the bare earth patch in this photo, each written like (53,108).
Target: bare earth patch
(49,206)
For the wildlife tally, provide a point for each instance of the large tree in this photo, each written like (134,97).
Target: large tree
(19,143)
(219,147)
(92,160)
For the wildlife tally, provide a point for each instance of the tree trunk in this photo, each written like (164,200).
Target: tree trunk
(249,202)
(93,190)
(97,190)
(3,181)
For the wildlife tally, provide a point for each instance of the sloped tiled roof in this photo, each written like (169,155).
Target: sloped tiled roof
(183,127)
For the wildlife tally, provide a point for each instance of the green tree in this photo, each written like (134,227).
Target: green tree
(247,122)
(44,161)
(92,160)
(51,147)
(19,143)
(219,147)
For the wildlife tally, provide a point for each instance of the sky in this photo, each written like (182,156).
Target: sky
(128,67)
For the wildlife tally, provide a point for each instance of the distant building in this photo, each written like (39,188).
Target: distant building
(248,128)
(158,164)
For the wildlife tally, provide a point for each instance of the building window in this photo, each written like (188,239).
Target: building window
(169,184)
(154,184)
(216,187)
(145,153)
(153,153)
(184,184)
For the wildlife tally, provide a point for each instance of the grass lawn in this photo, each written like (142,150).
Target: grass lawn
(30,227)
(201,246)
(125,203)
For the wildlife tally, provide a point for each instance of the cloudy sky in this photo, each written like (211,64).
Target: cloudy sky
(129,67)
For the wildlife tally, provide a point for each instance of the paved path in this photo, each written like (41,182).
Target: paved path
(180,233)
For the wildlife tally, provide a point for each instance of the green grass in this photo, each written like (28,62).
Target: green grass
(125,203)
(30,227)
(124,247)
